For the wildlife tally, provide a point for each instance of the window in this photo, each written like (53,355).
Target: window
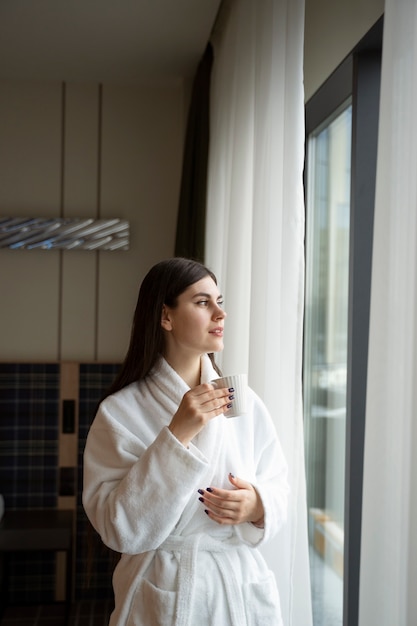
(325,354)
(341,142)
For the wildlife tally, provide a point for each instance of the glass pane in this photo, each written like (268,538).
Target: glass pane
(325,358)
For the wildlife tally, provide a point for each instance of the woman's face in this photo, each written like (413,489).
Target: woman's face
(195,325)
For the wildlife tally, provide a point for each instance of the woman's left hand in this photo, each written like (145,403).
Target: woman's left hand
(233,506)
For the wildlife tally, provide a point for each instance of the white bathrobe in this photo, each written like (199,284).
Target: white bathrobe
(178,567)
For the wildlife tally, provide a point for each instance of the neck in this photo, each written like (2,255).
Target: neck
(190,370)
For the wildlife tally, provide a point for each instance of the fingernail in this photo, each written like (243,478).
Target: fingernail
(201,499)
(231,390)
(209,489)
(229,406)
(206,511)
(231,397)
(232,475)
(200,491)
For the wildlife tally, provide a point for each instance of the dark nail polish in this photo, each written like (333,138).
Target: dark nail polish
(231,397)
(200,491)
(232,475)
(209,489)
(231,390)
(229,406)
(201,499)
(206,512)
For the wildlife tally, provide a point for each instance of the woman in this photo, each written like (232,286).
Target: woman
(183,493)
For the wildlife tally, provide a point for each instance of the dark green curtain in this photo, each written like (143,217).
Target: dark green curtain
(192,204)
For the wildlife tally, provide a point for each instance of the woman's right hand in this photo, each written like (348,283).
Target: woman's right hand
(197,407)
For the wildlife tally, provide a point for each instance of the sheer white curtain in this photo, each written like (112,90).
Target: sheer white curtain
(255,237)
(389,516)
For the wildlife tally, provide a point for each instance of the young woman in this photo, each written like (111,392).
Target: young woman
(183,493)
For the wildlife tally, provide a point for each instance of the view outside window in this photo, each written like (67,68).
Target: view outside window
(325,358)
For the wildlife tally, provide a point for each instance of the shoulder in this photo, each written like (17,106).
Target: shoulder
(120,398)
(116,409)
(125,393)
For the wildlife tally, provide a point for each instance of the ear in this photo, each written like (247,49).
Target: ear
(165,318)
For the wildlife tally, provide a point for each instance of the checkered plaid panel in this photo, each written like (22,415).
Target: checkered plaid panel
(29,430)
(94,562)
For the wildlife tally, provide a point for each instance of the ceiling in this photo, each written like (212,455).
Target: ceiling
(103,40)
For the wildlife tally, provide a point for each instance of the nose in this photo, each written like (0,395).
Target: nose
(219,313)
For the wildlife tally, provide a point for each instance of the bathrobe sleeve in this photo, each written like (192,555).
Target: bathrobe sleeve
(135,492)
(271,477)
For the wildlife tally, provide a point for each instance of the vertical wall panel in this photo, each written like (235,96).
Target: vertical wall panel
(80,195)
(142,142)
(29,305)
(30,136)
(30,144)
(81,150)
(78,311)
(68,459)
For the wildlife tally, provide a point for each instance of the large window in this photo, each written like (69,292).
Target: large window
(341,143)
(326,356)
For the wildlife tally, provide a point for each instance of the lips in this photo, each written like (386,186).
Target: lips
(217,331)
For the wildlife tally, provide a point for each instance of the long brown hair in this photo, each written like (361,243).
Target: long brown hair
(164,282)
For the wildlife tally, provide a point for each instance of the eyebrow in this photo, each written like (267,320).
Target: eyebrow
(201,294)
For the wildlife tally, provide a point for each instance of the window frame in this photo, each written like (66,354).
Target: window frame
(358,77)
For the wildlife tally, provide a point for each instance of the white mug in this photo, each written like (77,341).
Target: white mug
(239,384)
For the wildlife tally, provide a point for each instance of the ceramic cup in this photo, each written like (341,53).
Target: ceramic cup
(239,382)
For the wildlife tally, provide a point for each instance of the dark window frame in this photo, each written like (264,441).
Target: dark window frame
(358,77)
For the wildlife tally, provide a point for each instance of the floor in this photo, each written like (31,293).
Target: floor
(91,613)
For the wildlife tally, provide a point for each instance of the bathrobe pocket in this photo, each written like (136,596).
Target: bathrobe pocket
(262,604)
(152,605)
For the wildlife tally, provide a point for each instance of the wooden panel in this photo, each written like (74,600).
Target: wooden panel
(68,442)
(68,458)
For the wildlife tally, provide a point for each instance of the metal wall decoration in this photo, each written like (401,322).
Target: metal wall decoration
(24,233)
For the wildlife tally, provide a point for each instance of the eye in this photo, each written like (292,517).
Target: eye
(203,302)
(220,302)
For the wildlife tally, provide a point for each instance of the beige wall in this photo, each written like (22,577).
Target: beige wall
(332,29)
(78,150)
(74,150)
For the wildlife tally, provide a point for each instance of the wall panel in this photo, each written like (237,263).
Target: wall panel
(80,150)
(81,174)
(30,148)
(78,310)
(30,166)
(29,311)
(142,135)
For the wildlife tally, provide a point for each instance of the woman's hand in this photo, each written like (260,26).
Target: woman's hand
(198,406)
(233,506)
